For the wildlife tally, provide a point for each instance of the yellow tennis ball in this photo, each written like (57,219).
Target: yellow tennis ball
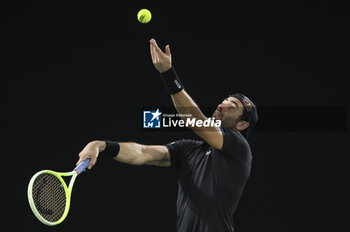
(144,16)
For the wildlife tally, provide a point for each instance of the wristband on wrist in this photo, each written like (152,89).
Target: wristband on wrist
(172,81)
(112,148)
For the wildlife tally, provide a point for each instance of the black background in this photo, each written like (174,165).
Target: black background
(77,71)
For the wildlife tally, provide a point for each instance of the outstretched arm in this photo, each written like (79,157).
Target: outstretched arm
(138,154)
(183,103)
(129,153)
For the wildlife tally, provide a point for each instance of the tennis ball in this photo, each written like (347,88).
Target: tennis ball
(144,16)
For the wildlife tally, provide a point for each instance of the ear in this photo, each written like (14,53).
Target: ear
(242,125)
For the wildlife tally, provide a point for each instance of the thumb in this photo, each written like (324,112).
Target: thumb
(79,161)
(167,50)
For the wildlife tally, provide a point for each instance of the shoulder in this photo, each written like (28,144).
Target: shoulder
(233,136)
(235,145)
(179,149)
(183,143)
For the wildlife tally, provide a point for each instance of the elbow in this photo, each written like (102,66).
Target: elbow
(139,156)
(131,153)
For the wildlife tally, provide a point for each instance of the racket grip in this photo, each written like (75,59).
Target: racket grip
(82,166)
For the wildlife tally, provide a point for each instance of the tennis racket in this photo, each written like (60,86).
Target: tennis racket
(49,196)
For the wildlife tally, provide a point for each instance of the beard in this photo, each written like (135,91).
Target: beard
(226,122)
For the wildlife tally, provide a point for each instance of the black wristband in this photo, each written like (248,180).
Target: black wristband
(112,148)
(171,81)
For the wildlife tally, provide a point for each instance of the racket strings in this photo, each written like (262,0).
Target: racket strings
(49,197)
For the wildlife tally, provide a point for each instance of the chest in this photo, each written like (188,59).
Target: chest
(204,164)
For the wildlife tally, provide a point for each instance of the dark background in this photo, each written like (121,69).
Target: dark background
(77,71)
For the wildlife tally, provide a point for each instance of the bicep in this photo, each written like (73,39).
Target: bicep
(156,155)
(213,136)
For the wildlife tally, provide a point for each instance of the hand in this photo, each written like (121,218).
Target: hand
(161,60)
(91,150)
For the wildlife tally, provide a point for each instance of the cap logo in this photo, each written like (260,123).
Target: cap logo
(248,105)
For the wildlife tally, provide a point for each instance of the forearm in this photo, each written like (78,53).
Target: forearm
(138,154)
(129,153)
(184,104)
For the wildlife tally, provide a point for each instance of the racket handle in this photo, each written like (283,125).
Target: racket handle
(82,166)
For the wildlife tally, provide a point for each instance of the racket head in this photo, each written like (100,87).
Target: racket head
(49,197)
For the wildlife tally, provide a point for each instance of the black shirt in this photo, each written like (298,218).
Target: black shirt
(210,181)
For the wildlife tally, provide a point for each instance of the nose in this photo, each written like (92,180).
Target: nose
(220,106)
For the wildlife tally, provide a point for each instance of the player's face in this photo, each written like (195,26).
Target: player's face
(229,112)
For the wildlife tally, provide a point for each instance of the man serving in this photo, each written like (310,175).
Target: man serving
(211,172)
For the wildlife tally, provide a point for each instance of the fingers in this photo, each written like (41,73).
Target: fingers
(161,60)
(154,43)
(155,57)
(167,50)
(84,157)
(152,53)
(79,161)
(156,50)
(92,162)
(90,151)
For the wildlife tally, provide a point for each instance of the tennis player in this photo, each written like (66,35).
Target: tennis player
(212,172)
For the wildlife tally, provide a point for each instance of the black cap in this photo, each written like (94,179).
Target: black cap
(250,110)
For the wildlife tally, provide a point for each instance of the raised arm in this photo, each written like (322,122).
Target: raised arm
(183,103)
(129,153)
